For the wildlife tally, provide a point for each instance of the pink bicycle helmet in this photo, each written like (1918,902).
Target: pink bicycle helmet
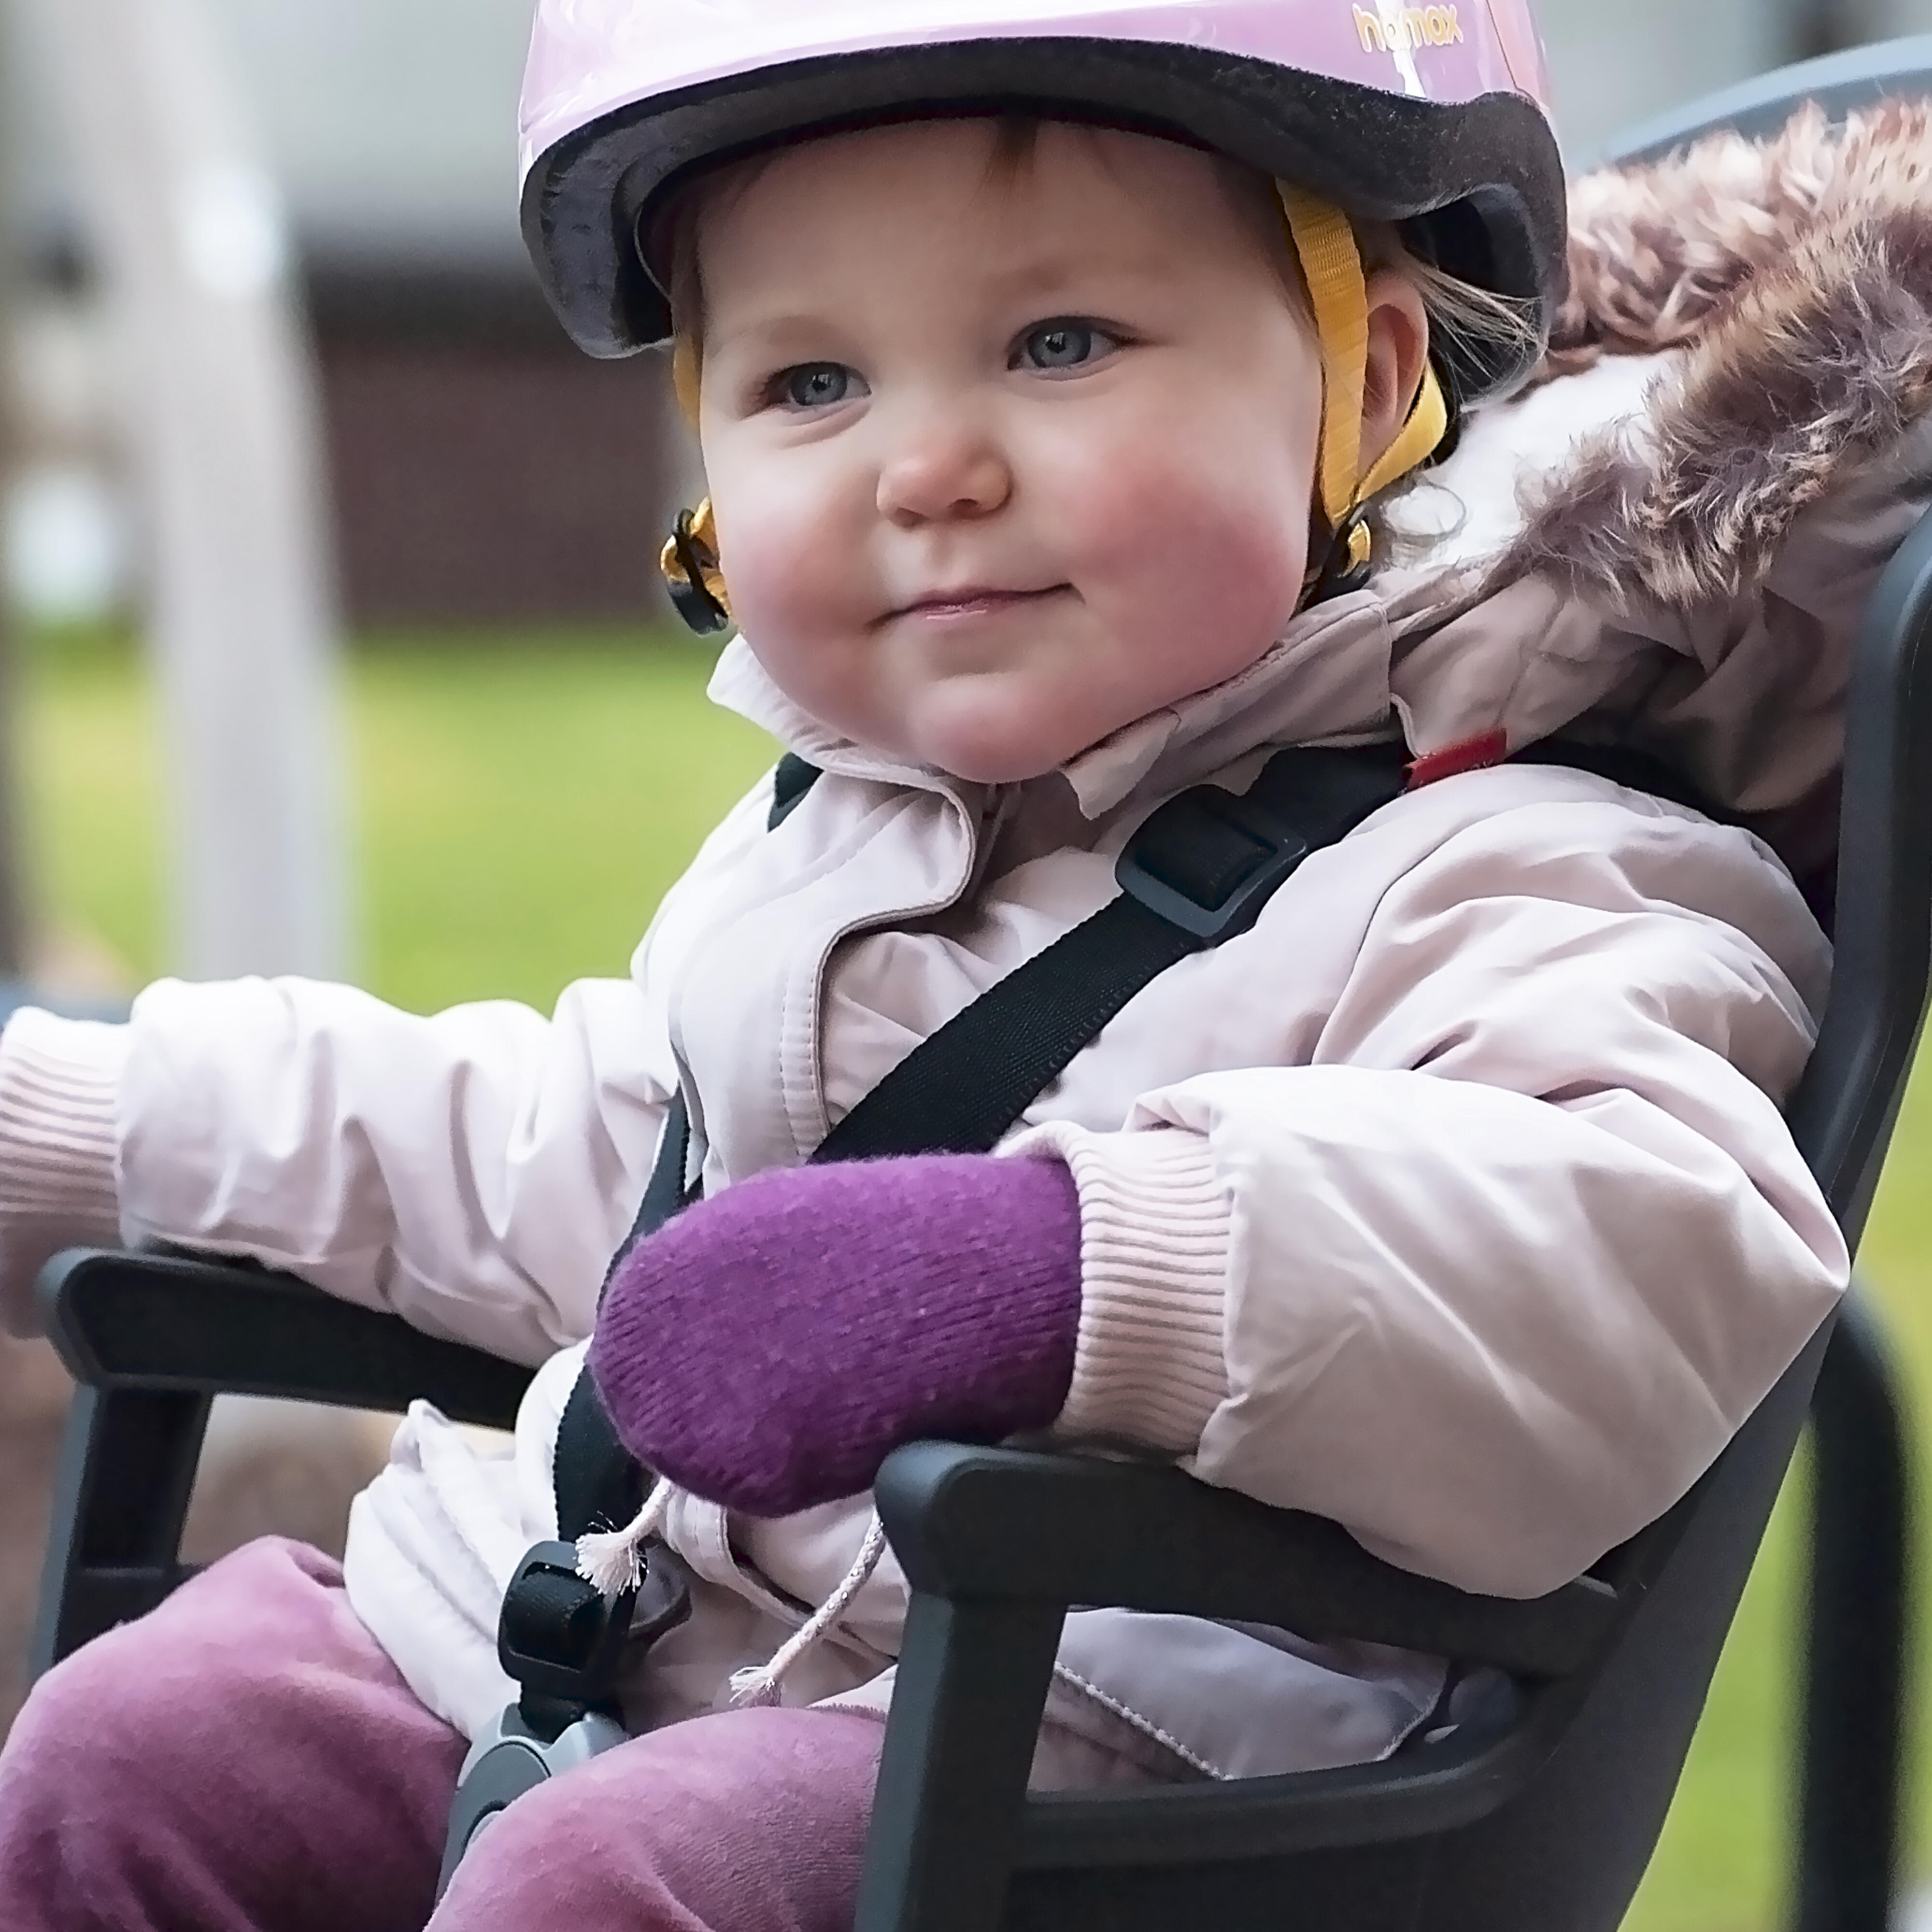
(1435,117)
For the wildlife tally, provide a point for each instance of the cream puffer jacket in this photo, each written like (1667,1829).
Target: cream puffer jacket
(1452,1202)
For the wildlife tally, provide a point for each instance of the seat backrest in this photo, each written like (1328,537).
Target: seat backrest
(1571,1850)
(1839,83)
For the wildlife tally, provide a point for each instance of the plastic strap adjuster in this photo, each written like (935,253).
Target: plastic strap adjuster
(508,1760)
(1207,861)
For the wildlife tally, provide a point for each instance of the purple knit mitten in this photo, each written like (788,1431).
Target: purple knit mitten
(770,1347)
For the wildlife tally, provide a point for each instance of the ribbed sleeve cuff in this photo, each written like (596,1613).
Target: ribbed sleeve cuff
(1154,1234)
(58,1083)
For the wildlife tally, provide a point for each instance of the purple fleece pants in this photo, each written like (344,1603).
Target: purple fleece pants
(247,1759)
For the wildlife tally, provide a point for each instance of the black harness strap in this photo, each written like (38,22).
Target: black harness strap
(1197,872)
(599,1487)
(791,779)
(558,1636)
(1625,765)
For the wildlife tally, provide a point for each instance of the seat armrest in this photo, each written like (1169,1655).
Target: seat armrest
(124,1320)
(998,1544)
(152,1339)
(1012,1525)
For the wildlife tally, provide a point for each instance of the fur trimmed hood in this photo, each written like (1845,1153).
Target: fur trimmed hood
(1796,274)
(1668,538)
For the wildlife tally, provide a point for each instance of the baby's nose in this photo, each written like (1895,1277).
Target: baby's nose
(943,471)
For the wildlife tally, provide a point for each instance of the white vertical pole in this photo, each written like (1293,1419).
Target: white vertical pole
(13,960)
(186,230)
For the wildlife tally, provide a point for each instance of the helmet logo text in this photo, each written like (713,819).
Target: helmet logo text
(1400,30)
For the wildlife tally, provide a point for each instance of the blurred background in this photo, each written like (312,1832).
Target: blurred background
(330,638)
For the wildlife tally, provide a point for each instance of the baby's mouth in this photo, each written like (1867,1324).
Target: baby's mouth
(974,601)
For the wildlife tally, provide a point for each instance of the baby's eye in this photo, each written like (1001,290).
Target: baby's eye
(1062,344)
(816,385)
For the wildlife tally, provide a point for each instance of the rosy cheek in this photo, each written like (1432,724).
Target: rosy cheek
(781,553)
(775,577)
(1175,551)
(1252,556)
(798,590)
(1119,508)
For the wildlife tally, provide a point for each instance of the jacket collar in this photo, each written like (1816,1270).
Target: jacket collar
(1326,678)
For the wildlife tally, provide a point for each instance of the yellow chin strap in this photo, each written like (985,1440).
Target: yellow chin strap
(1331,265)
(684,375)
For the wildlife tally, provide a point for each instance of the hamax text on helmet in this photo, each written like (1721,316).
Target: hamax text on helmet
(1402,29)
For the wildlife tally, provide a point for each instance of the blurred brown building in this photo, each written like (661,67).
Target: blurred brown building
(485,468)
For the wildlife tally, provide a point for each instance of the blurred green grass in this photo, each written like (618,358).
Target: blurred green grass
(519,802)
(522,801)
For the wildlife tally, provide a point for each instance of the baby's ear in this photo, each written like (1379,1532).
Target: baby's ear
(1398,354)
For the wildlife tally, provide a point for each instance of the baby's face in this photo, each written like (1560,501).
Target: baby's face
(1002,459)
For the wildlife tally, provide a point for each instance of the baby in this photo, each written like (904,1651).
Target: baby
(1044,374)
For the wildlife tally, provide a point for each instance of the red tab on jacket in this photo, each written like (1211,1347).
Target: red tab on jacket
(1471,754)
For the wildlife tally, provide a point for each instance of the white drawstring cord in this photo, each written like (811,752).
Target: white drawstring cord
(613,1559)
(759,1685)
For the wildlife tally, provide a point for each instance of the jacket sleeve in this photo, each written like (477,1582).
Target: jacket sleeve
(472,1171)
(1493,1280)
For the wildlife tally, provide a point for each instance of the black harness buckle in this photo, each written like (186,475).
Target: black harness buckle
(564,1642)
(1207,861)
(559,1636)
(562,1639)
